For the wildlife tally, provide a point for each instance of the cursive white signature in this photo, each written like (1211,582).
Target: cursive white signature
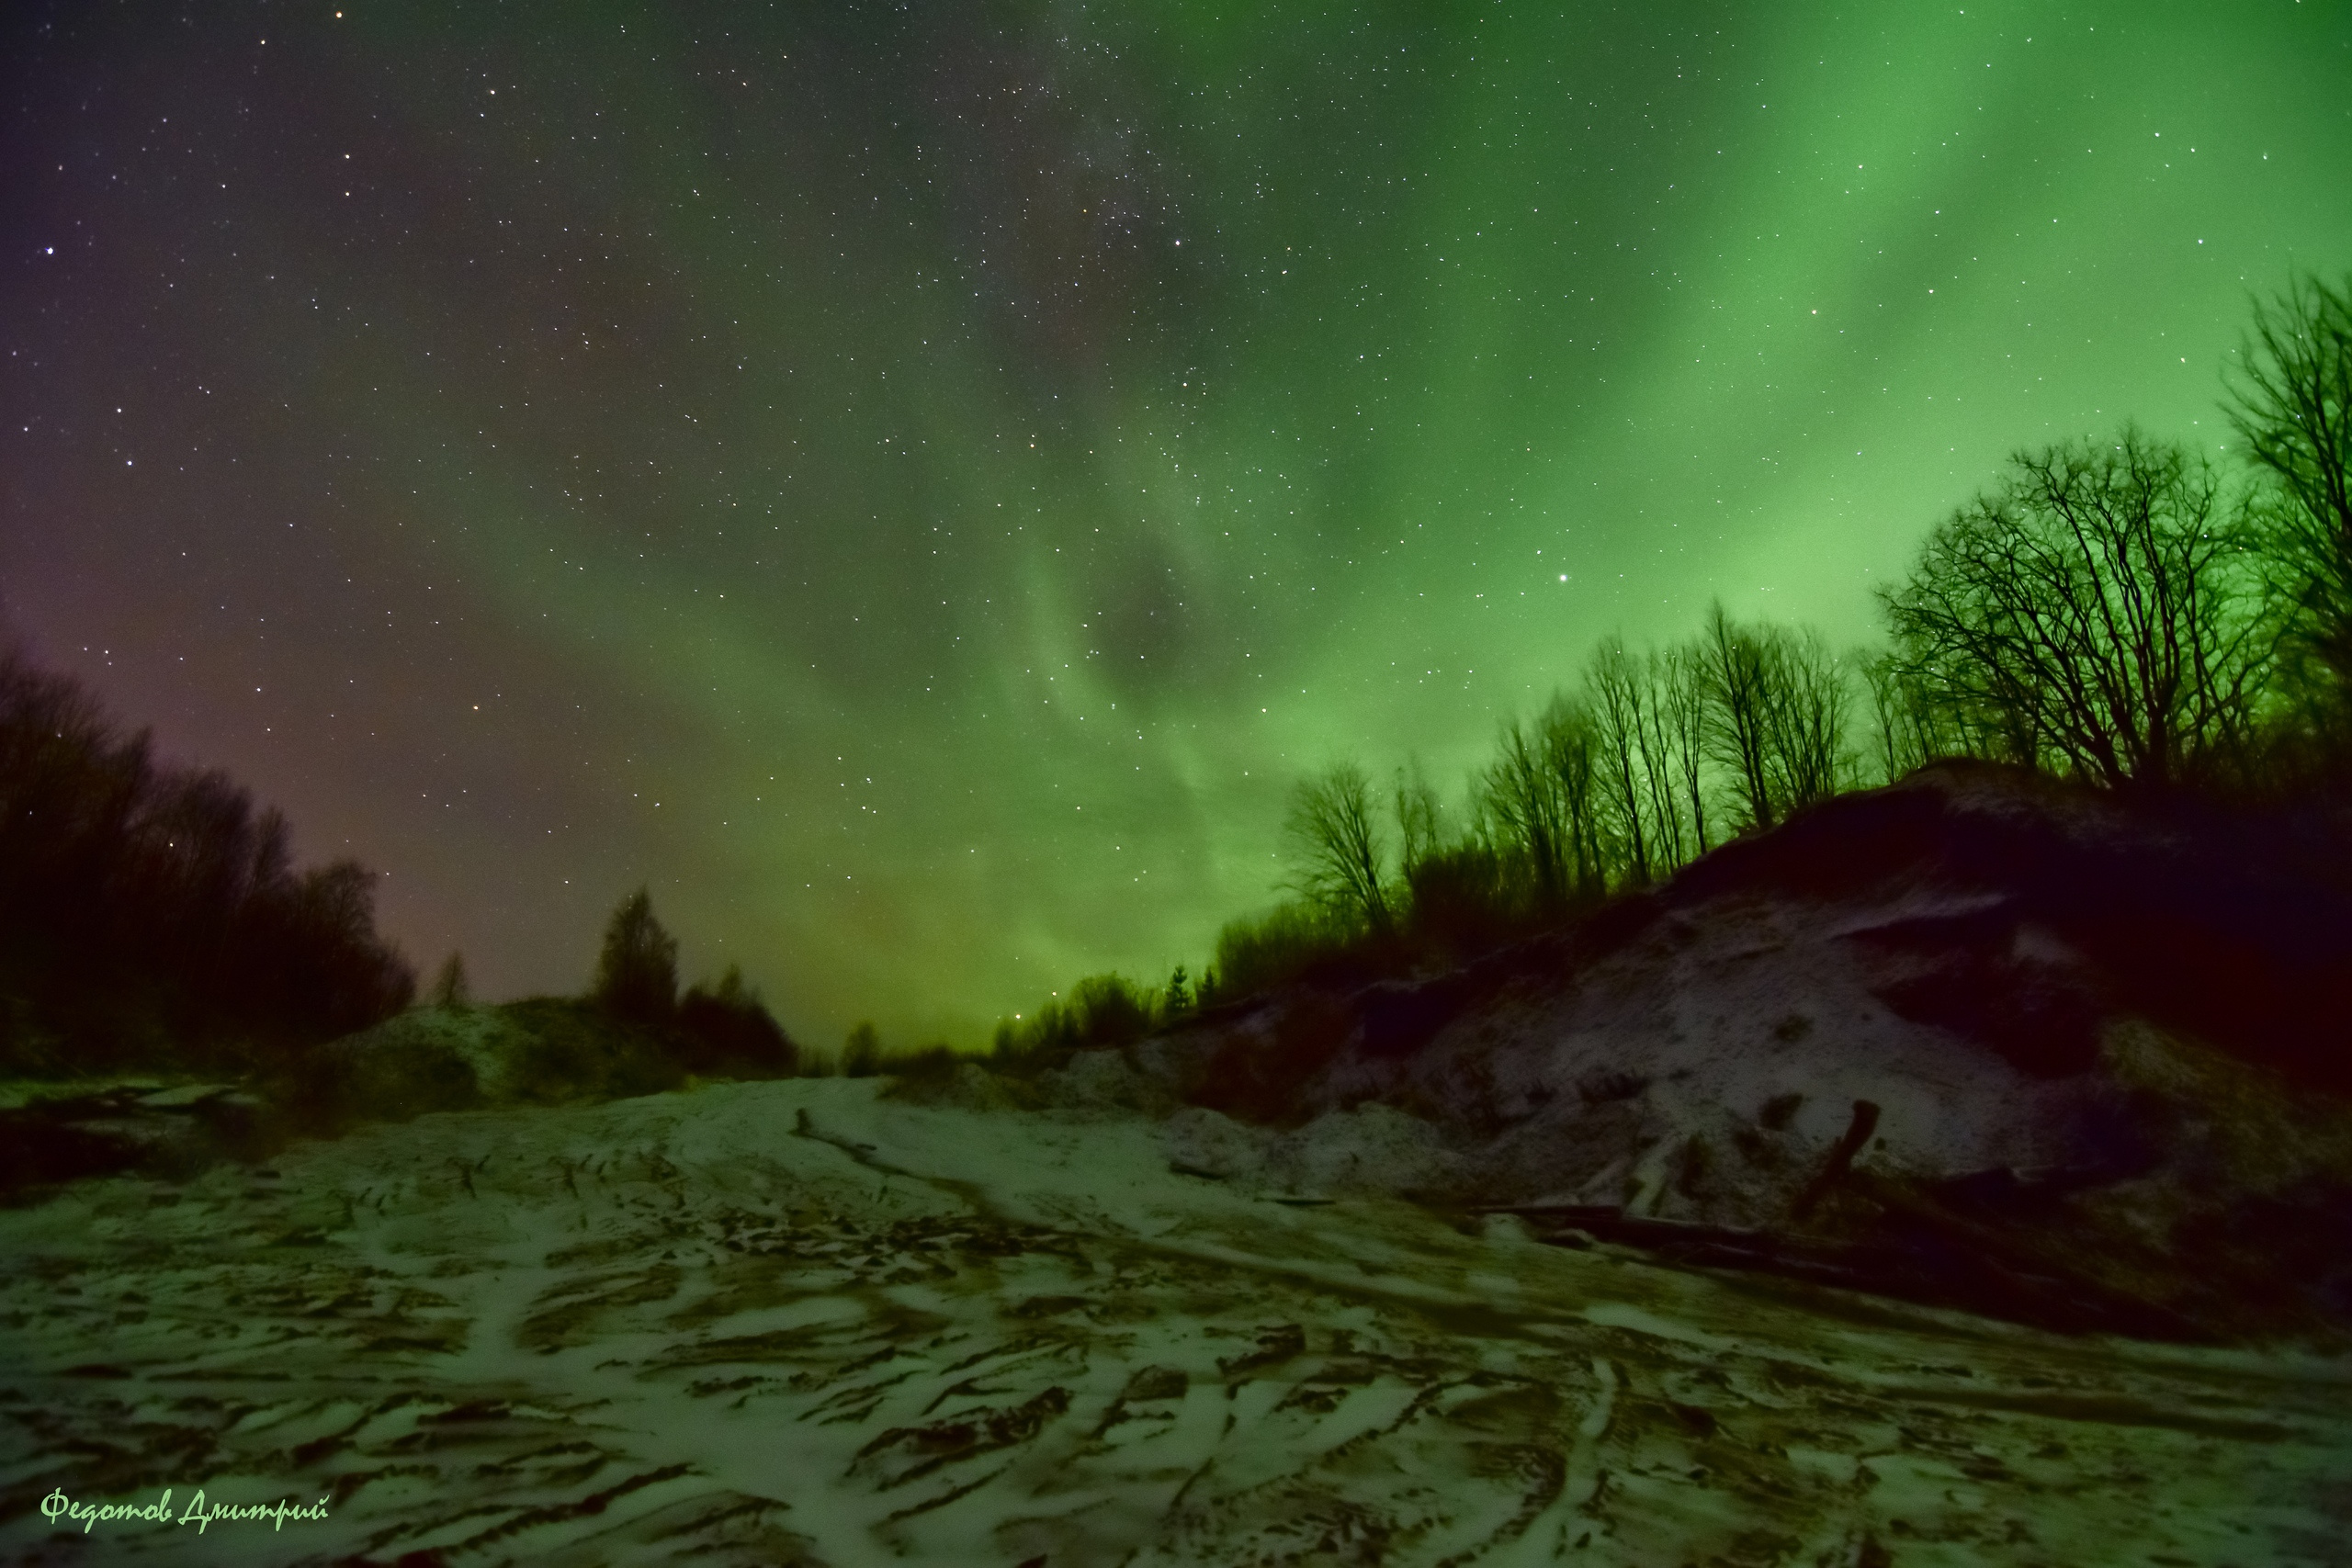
(58,1505)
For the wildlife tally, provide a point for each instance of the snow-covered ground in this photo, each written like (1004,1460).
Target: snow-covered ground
(798,1322)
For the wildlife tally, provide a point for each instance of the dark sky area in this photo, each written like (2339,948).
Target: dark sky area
(916,484)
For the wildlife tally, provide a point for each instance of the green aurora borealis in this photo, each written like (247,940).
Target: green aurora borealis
(916,485)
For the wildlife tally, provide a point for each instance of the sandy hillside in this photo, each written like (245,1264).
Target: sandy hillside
(2104,1056)
(796,1322)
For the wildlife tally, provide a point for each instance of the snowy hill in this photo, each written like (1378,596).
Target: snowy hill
(1969,1014)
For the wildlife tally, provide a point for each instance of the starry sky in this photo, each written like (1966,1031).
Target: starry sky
(915,484)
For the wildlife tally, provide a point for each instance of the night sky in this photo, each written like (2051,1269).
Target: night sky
(916,484)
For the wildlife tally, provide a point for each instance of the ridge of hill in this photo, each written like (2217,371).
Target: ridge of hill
(1973,1037)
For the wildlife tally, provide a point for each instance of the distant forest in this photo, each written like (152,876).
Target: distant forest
(152,919)
(152,913)
(2119,612)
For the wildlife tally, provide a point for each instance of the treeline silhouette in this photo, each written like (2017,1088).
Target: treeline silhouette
(2119,614)
(721,1029)
(152,915)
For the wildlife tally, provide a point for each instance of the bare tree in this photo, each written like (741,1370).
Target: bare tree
(1519,798)
(1573,752)
(1541,803)
(1806,701)
(1893,732)
(2096,611)
(1420,819)
(1619,709)
(1738,664)
(1908,728)
(2292,403)
(1658,783)
(1686,715)
(1334,830)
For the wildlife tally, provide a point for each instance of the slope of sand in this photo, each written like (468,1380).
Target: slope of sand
(2095,1046)
(798,1322)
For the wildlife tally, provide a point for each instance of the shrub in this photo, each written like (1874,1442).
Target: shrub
(1277,946)
(568,1050)
(1101,1011)
(1462,899)
(726,1029)
(928,1069)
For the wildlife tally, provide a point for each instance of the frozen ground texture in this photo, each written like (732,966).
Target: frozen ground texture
(796,1322)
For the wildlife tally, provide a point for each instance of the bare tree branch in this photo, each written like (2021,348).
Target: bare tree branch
(2293,404)
(1334,831)
(2099,610)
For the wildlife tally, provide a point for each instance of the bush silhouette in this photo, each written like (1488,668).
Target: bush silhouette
(1462,899)
(1101,1011)
(727,1029)
(1277,946)
(570,1049)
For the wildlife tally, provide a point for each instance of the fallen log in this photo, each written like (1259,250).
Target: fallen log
(1926,1254)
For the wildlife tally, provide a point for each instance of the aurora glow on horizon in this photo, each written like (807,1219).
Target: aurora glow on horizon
(916,485)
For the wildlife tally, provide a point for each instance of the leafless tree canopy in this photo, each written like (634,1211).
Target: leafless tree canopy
(1573,748)
(1774,704)
(1806,697)
(1335,839)
(2099,611)
(1540,801)
(1685,716)
(2293,407)
(1621,705)
(1420,819)
(1737,662)
(1520,800)
(1909,728)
